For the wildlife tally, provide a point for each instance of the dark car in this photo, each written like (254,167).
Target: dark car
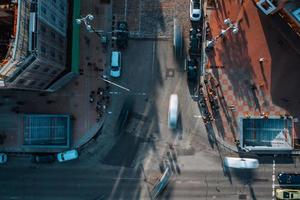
(122,34)
(192,70)
(195,42)
(43,158)
(288,178)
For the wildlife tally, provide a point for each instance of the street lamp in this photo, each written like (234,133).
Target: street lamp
(231,26)
(86,20)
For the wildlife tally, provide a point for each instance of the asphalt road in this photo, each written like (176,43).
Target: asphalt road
(111,166)
(114,165)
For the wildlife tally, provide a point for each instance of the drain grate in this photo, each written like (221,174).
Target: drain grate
(242,196)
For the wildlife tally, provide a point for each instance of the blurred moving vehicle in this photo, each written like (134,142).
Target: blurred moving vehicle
(195,10)
(288,178)
(173,111)
(43,158)
(67,155)
(241,163)
(285,194)
(124,114)
(115,69)
(3,158)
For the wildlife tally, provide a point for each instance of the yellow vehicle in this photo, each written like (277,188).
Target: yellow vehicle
(285,194)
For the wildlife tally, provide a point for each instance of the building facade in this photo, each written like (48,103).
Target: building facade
(38,53)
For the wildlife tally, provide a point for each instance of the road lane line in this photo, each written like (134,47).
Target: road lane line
(125,11)
(273,180)
(140,15)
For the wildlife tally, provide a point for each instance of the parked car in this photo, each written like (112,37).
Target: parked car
(192,70)
(115,68)
(3,158)
(285,194)
(241,163)
(122,35)
(67,155)
(43,158)
(288,178)
(195,42)
(195,10)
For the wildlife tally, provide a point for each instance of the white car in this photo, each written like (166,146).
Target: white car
(195,10)
(173,111)
(67,155)
(3,158)
(241,163)
(115,69)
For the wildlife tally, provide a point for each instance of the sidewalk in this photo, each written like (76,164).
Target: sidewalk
(72,99)
(243,67)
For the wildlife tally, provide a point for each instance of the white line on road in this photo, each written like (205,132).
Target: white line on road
(140,15)
(198,116)
(132,93)
(273,180)
(125,11)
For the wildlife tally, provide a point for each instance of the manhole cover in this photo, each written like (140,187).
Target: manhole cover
(170,73)
(242,196)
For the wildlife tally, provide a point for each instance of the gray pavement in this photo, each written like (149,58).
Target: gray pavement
(113,164)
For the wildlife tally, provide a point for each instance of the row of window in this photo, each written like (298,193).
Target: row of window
(46,69)
(55,37)
(31,83)
(62,7)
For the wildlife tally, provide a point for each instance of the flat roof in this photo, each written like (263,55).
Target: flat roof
(272,133)
(46,130)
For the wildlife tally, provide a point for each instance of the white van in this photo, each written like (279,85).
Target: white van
(67,155)
(115,67)
(173,111)
(241,163)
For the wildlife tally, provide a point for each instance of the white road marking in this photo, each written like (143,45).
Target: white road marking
(132,93)
(198,116)
(273,180)
(140,15)
(125,11)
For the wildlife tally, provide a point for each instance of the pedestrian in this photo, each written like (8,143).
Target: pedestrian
(253,87)
(261,60)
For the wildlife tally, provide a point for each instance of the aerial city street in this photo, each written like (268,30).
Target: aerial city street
(149,99)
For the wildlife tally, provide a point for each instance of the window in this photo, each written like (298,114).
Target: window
(60,57)
(36,66)
(43,9)
(43,28)
(46,69)
(61,41)
(61,24)
(53,35)
(21,81)
(53,18)
(32,83)
(62,7)
(41,84)
(43,49)
(54,72)
(52,52)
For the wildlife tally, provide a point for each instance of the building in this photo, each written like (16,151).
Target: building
(289,10)
(36,44)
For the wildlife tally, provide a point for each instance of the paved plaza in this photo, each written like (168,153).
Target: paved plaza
(73,99)
(253,71)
